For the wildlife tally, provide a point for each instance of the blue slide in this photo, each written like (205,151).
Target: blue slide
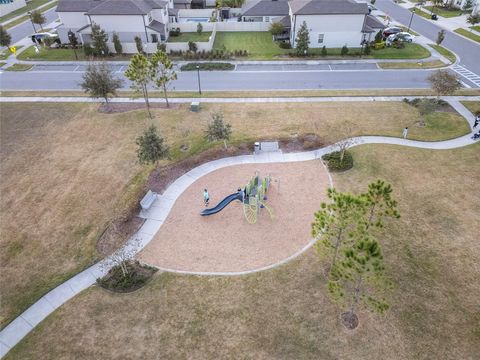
(221,205)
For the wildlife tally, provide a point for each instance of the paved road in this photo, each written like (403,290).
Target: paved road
(237,80)
(468,51)
(25,29)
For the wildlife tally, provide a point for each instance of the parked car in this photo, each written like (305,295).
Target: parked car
(390,31)
(38,38)
(404,36)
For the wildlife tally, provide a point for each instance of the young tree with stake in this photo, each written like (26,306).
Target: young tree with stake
(162,72)
(5,38)
(72,39)
(218,129)
(99,40)
(303,40)
(38,18)
(100,82)
(117,44)
(151,147)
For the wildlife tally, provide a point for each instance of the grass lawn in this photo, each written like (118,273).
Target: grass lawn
(445,52)
(19,67)
(447,13)
(190,36)
(68,170)
(473,106)
(468,34)
(261,47)
(431,253)
(412,65)
(421,13)
(476,28)
(31,5)
(2,63)
(4,54)
(51,54)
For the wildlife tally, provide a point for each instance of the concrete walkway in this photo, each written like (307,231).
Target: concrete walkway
(313,99)
(161,207)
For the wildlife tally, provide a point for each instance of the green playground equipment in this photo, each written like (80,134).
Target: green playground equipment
(254,197)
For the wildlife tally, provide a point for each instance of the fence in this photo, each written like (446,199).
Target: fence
(207,46)
(222,26)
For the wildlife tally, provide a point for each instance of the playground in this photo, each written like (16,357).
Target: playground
(227,241)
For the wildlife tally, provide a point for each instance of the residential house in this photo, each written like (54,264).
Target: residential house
(331,23)
(459,4)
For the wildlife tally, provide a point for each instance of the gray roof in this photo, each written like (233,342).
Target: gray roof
(110,7)
(267,8)
(157,26)
(327,7)
(373,22)
(286,22)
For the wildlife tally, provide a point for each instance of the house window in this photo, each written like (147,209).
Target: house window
(154,38)
(267,18)
(320,38)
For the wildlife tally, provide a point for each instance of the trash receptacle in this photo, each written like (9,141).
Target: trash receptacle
(195,106)
(434,17)
(257,147)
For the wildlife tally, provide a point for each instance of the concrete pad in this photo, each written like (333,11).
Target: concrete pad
(151,226)
(38,311)
(4,349)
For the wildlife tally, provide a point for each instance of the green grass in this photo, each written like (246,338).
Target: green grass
(2,63)
(190,36)
(207,66)
(468,34)
(25,18)
(5,54)
(411,51)
(261,47)
(19,67)
(31,5)
(412,65)
(50,54)
(421,13)
(476,28)
(444,12)
(445,52)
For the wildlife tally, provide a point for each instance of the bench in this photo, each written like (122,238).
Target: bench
(148,200)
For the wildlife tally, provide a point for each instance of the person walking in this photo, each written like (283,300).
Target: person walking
(206,197)
(405,132)
(477,121)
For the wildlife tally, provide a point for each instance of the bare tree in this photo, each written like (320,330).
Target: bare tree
(348,138)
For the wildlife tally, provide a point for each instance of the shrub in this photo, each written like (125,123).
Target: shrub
(284,45)
(276,28)
(88,50)
(344,51)
(136,277)
(175,32)
(324,51)
(192,46)
(162,47)
(207,66)
(368,49)
(334,163)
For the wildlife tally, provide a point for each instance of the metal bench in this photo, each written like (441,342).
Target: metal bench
(148,200)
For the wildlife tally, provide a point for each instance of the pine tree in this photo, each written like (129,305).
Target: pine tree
(139,72)
(138,44)
(379,204)
(151,147)
(303,40)
(117,44)
(359,278)
(218,129)
(199,28)
(162,72)
(335,224)
(99,39)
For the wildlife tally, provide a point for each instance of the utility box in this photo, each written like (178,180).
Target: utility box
(195,106)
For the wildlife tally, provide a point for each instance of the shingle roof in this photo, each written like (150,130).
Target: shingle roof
(373,22)
(110,7)
(267,8)
(157,26)
(327,7)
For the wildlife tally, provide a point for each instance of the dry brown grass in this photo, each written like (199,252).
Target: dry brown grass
(257,93)
(473,106)
(432,254)
(68,170)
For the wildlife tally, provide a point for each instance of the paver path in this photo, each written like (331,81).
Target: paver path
(30,318)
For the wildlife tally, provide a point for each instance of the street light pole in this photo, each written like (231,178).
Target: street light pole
(198,76)
(33,25)
(411,18)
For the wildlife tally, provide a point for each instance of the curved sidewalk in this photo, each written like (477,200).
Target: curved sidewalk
(160,209)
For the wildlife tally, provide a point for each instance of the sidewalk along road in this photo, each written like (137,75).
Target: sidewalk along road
(26,29)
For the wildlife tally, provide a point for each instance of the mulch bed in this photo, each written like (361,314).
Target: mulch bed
(350,320)
(118,232)
(114,108)
(300,143)
(138,275)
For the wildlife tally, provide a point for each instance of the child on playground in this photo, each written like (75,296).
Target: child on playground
(206,197)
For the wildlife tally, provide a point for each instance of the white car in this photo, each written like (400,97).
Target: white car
(402,36)
(38,37)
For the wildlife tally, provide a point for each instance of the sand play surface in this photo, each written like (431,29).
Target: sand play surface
(226,242)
